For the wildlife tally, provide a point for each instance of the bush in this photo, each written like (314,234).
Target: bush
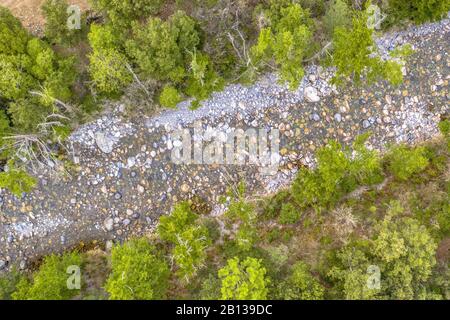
(289,214)
(244,280)
(169,97)
(50,281)
(13,37)
(405,162)
(122,12)
(419,11)
(137,272)
(286,41)
(8,284)
(355,55)
(301,285)
(189,239)
(16,180)
(338,14)
(161,48)
(56,22)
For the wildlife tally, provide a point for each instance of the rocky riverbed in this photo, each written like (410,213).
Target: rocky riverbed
(125,177)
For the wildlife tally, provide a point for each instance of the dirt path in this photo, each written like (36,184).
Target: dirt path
(122,193)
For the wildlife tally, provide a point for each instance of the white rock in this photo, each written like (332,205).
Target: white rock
(311,94)
(104,143)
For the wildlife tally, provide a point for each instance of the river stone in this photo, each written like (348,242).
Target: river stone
(104,143)
(311,94)
(108,224)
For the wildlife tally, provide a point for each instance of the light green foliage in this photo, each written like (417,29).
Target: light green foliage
(407,252)
(169,97)
(16,180)
(405,162)
(444,127)
(108,71)
(338,14)
(50,281)
(419,11)
(244,280)
(338,172)
(138,273)
(240,211)
(402,249)
(285,41)
(289,214)
(161,48)
(188,237)
(13,37)
(301,285)
(108,66)
(56,18)
(121,12)
(355,55)
(351,274)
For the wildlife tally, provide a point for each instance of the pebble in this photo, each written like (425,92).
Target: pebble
(108,224)
(338,117)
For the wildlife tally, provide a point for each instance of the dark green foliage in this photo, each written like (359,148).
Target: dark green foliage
(162,49)
(289,214)
(138,272)
(419,11)
(50,281)
(56,22)
(122,12)
(300,285)
(273,204)
(338,14)
(8,284)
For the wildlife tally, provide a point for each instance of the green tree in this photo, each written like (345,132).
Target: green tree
(355,55)
(241,212)
(244,280)
(419,11)
(122,12)
(50,281)
(301,285)
(16,180)
(56,18)
(161,49)
(188,237)
(405,162)
(286,40)
(13,37)
(138,272)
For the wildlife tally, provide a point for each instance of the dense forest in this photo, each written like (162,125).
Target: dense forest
(358,215)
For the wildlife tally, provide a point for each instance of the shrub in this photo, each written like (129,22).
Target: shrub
(169,97)
(404,162)
(50,281)
(189,239)
(137,272)
(8,284)
(13,37)
(289,214)
(355,55)
(108,71)
(56,22)
(301,285)
(16,180)
(419,11)
(338,14)
(122,12)
(285,41)
(161,49)
(244,280)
